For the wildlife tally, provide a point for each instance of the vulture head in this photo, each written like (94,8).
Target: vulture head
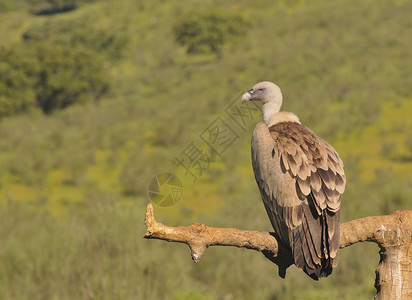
(264,91)
(269,94)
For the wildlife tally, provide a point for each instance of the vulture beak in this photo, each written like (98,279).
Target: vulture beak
(246,96)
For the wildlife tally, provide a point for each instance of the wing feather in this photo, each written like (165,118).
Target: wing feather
(293,166)
(316,234)
(301,178)
(304,186)
(328,178)
(333,223)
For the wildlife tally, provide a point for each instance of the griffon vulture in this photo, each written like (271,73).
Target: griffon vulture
(301,178)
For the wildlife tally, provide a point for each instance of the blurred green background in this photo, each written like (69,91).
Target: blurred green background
(97,97)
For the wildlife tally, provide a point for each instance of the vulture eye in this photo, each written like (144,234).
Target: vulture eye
(260,91)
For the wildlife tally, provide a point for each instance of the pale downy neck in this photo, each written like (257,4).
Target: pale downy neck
(272,116)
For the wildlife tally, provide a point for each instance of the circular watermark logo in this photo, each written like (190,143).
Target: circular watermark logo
(165,189)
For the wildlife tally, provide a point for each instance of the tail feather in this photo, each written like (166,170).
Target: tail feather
(315,243)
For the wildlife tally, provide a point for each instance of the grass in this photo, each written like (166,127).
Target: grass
(73,183)
(382,145)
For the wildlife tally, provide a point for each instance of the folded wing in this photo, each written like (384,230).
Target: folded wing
(301,178)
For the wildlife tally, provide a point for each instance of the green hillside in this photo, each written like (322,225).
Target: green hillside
(97,97)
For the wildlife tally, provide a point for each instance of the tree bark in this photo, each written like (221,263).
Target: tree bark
(392,233)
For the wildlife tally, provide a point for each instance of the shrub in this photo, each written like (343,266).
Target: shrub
(18,70)
(206,32)
(51,7)
(68,76)
(79,33)
(48,77)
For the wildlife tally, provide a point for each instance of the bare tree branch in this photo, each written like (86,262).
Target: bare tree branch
(393,234)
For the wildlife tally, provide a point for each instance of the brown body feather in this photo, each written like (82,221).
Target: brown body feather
(301,178)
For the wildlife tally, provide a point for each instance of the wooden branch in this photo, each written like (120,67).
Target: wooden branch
(199,236)
(393,234)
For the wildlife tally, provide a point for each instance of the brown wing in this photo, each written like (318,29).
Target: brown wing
(300,178)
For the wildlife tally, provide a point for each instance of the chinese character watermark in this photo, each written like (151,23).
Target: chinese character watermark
(165,189)
(219,136)
(194,161)
(196,158)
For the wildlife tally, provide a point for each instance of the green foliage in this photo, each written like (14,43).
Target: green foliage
(51,7)
(73,184)
(6,5)
(207,32)
(135,173)
(408,142)
(59,63)
(49,77)
(60,257)
(68,76)
(42,7)
(79,33)
(18,73)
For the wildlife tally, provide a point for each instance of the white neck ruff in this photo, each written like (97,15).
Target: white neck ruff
(280,117)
